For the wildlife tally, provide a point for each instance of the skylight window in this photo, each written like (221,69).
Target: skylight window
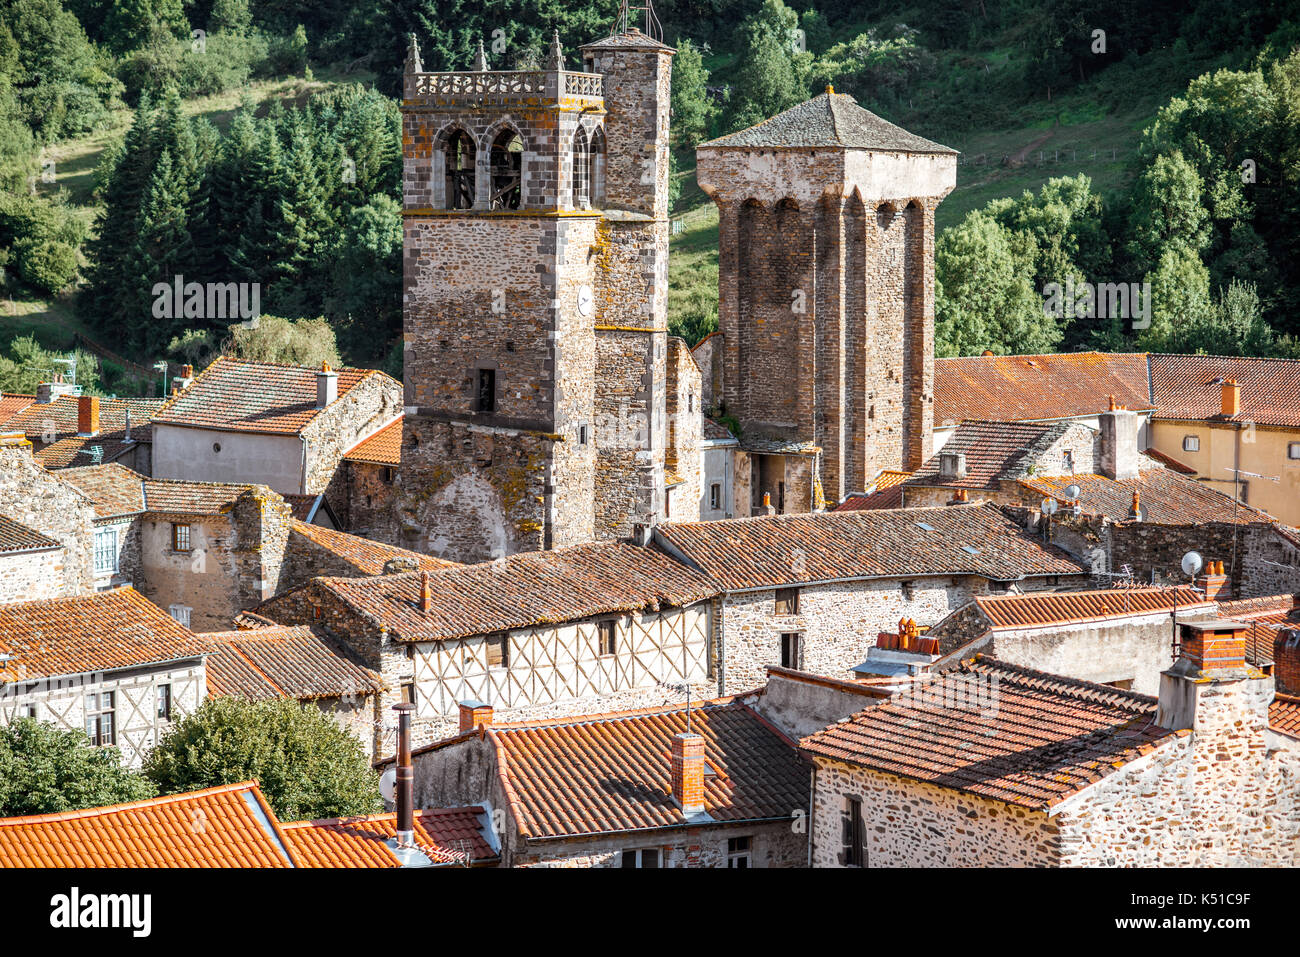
(928,528)
(971,549)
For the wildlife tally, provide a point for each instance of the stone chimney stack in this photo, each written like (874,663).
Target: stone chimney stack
(1231,398)
(1119,445)
(952,465)
(87,415)
(473,714)
(327,386)
(688,772)
(47,392)
(1213,691)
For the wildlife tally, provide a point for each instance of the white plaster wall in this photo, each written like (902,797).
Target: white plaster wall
(245,457)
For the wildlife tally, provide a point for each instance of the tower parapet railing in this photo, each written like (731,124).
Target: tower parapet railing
(476,84)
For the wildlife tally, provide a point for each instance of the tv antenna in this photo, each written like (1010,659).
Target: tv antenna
(627,15)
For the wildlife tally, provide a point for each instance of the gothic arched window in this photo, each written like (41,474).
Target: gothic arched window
(596,175)
(507,156)
(581,171)
(458,159)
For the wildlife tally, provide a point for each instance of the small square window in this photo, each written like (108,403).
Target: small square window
(738,852)
(181,538)
(498,650)
(787,601)
(1293,450)
(582,435)
(607,634)
(1191,443)
(390,473)
(715,496)
(181,613)
(644,857)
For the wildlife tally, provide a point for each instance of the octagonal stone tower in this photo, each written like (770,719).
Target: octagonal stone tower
(826,293)
(534,301)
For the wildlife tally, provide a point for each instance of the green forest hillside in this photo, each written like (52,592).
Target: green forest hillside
(1145,143)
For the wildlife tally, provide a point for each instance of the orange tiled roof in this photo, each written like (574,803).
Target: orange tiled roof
(59,419)
(1168,461)
(302,506)
(239,396)
(283,661)
(1167,497)
(999,731)
(380,448)
(115,489)
(226,826)
(994,451)
(368,557)
(1190,387)
(1284,714)
(1005,612)
(174,497)
(15,537)
(1274,609)
(446,835)
(887,492)
(602,774)
(773,550)
(1037,388)
(110,629)
(11,403)
(529,588)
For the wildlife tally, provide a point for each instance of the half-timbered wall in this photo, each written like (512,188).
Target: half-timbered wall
(62,701)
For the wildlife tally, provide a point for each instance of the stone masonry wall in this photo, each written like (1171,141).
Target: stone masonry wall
(36,498)
(368,406)
(914,824)
(771,845)
(28,576)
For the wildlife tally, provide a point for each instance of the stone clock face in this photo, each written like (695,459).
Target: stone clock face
(586,301)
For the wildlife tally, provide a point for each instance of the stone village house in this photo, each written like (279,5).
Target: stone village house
(998,764)
(535,635)
(812,592)
(719,786)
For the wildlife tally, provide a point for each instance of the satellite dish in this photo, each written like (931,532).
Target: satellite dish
(388,785)
(1192,564)
(1071,492)
(1050,506)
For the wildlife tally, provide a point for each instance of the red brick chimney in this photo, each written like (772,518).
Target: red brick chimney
(1214,646)
(1231,398)
(1214,582)
(688,772)
(1286,661)
(88,414)
(474,713)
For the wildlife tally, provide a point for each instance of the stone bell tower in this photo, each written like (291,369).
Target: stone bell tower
(826,294)
(534,286)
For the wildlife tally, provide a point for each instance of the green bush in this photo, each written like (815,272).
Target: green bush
(45,770)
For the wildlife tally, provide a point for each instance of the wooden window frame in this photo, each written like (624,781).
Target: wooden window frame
(503,656)
(163,701)
(795,638)
(182,541)
(786,601)
(607,637)
(736,852)
(853,838)
(639,855)
(95,714)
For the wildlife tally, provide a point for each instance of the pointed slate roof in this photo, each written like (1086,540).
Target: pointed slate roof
(831,120)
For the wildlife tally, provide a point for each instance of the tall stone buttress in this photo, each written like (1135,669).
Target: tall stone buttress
(534,301)
(826,292)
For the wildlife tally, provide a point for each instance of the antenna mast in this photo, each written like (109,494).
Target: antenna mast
(627,16)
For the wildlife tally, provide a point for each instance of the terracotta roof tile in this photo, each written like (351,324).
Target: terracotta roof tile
(301,506)
(716,431)
(446,835)
(59,419)
(238,396)
(1038,388)
(1284,715)
(284,661)
(1189,387)
(368,557)
(603,774)
(886,492)
(15,537)
(773,550)
(994,451)
(998,731)
(238,830)
(526,589)
(11,403)
(110,629)
(114,489)
(1168,461)
(174,497)
(380,448)
(1166,497)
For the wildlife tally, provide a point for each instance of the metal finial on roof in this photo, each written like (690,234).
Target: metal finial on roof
(556,60)
(627,13)
(480,58)
(413,64)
